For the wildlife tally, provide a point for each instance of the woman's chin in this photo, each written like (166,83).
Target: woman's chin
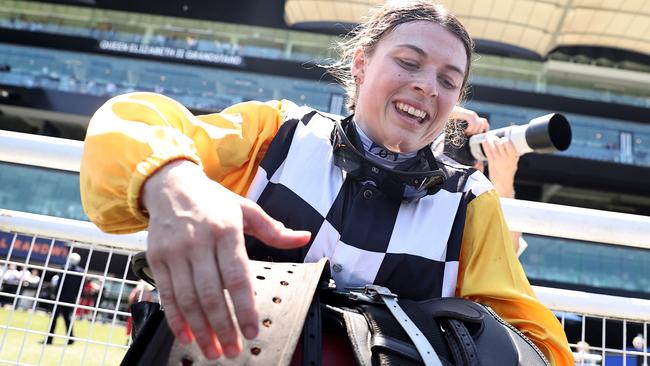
(402,146)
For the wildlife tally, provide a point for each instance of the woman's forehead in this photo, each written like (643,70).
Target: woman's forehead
(429,39)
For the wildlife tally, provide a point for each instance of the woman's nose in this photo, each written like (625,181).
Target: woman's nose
(427,87)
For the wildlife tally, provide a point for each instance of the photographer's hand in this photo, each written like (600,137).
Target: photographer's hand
(196,251)
(502,163)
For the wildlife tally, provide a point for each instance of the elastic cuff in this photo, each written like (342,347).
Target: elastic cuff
(143,171)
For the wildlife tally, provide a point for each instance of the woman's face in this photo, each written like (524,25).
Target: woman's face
(409,85)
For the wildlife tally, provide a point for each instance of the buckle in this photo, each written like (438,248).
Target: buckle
(381,295)
(370,293)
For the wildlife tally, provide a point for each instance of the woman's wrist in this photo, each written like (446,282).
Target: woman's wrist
(505,191)
(166,177)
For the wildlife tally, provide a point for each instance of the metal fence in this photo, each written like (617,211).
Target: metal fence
(602,330)
(32,301)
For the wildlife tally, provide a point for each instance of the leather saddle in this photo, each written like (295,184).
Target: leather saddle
(297,299)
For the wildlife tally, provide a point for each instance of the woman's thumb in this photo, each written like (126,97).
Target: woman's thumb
(270,231)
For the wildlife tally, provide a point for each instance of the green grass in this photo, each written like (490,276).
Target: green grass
(20,347)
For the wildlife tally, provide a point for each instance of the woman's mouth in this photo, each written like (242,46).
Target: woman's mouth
(411,112)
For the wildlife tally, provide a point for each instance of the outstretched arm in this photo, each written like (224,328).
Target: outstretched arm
(148,162)
(196,251)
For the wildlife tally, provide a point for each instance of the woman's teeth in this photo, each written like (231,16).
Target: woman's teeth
(417,113)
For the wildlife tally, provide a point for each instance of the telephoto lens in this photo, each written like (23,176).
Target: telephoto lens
(545,134)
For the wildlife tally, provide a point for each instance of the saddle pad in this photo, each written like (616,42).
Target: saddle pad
(283,293)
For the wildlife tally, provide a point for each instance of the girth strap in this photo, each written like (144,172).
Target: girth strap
(376,293)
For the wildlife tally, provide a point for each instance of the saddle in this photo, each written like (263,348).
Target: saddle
(299,299)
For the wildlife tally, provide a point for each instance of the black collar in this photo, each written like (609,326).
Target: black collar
(421,172)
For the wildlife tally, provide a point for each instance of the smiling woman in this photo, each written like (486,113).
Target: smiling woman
(408,85)
(382,22)
(366,191)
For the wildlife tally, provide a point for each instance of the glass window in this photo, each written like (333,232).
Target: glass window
(585,263)
(40,191)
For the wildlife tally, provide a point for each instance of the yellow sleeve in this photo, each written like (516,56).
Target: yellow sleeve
(133,135)
(490,273)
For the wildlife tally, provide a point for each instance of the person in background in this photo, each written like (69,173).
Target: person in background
(502,167)
(10,281)
(88,294)
(30,280)
(279,173)
(67,285)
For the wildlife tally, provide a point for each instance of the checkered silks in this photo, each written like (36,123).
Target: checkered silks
(410,247)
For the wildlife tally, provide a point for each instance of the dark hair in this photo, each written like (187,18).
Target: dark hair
(382,21)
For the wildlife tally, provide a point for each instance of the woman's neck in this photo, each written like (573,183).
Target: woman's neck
(378,153)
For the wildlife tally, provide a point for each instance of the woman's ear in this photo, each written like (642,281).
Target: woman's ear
(358,66)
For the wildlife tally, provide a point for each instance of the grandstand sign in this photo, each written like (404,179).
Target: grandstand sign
(39,250)
(181,54)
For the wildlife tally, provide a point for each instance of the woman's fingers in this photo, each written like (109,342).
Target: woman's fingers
(212,302)
(509,149)
(489,146)
(188,302)
(196,251)
(235,276)
(499,149)
(272,232)
(475,123)
(175,319)
(502,163)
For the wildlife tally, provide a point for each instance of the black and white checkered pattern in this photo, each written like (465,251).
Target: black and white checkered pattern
(410,247)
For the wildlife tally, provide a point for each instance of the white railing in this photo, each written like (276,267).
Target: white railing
(528,217)
(525,216)
(47,152)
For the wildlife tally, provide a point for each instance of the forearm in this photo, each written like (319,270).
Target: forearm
(133,136)
(129,138)
(505,189)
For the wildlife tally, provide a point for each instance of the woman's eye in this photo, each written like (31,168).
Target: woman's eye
(407,64)
(448,84)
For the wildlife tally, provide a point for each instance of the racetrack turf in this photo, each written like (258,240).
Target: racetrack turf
(20,347)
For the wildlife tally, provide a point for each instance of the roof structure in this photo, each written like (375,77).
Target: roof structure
(539,26)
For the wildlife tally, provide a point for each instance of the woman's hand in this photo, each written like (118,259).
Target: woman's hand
(196,251)
(475,123)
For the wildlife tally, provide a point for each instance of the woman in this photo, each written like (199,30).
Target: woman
(184,177)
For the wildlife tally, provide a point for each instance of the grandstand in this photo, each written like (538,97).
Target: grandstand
(60,60)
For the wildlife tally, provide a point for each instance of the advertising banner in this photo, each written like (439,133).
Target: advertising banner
(20,248)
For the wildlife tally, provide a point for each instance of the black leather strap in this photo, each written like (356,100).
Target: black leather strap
(151,332)
(312,334)
(461,343)
(395,345)
(141,313)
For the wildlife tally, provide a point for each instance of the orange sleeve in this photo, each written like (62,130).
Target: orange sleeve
(131,136)
(490,273)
